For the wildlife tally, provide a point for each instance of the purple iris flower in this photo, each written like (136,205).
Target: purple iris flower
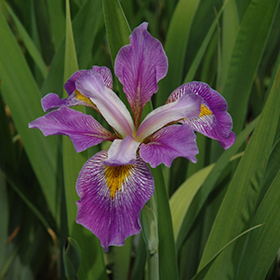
(114,185)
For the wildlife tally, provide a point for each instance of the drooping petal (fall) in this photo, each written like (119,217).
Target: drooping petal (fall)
(168,143)
(53,101)
(139,66)
(188,106)
(122,151)
(91,85)
(111,198)
(213,121)
(83,130)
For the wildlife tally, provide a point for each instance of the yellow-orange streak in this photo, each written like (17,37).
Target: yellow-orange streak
(83,98)
(115,176)
(204,111)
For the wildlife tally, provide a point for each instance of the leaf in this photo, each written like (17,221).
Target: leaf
(177,39)
(203,272)
(245,58)
(150,230)
(22,95)
(209,185)
(71,258)
(262,246)
(29,44)
(244,189)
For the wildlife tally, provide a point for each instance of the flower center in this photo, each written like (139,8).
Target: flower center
(204,111)
(115,176)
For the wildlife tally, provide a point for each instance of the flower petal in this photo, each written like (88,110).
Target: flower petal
(52,101)
(139,66)
(111,198)
(188,106)
(91,85)
(122,151)
(83,130)
(214,121)
(168,143)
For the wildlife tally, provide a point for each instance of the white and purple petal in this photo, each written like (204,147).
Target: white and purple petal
(53,101)
(111,198)
(83,130)
(168,143)
(122,151)
(213,121)
(91,85)
(188,106)
(139,66)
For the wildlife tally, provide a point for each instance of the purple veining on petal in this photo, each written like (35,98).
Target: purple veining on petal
(168,143)
(188,106)
(214,121)
(91,85)
(139,66)
(108,208)
(122,151)
(83,130)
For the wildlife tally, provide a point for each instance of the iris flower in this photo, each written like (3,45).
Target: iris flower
(114,185)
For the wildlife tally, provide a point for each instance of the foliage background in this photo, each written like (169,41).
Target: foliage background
(217,219)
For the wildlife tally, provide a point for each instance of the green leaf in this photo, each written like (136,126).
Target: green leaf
(245,58)
(203,272)
(22,95)
(262,246)
(208,185)
(117,27)
(237,210)
(149,230)
(29,44)
(71,258)
(200,53)
(57,20)
(167,251)
(177,39)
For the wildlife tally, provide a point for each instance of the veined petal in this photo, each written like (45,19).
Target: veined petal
(111,198)
(168,143)
(188,106)
(139,66)
(213,121)
(52,101)
(122,151)
(91,85)
(83,130)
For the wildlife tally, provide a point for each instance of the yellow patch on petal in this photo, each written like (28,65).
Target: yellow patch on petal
(115,176)
(83,98)
(204,111)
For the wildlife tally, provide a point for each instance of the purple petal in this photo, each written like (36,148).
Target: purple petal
(214,121)
(139,66)
(52,101)
(168,143)
(91,85)
(112,198)
(188,106)
(70,84)
(122,151)
(83,130)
